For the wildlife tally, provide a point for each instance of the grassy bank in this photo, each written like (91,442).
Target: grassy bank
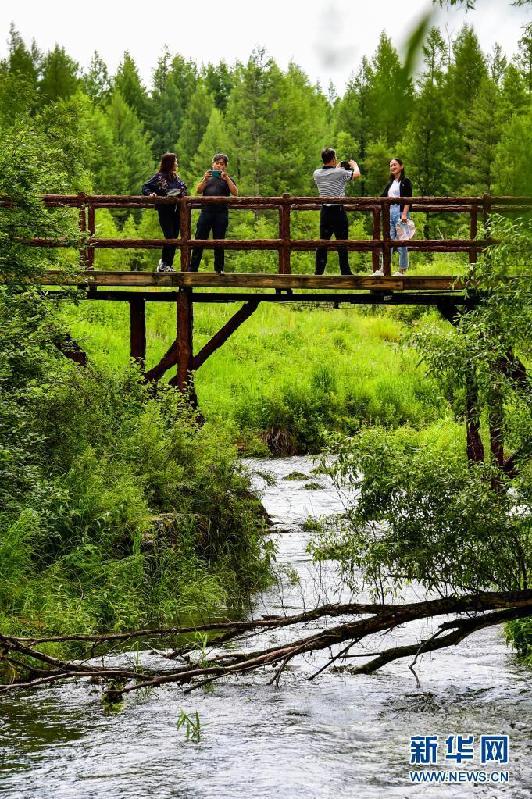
(289,373)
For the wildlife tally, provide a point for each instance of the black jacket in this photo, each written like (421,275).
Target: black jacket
(405,188)
(162,184)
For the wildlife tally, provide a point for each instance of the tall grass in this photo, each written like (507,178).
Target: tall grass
(288,374)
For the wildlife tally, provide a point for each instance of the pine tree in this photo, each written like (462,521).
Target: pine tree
(511,168)
(133,152)
(389,95)
(215,139)
(482,131)
(59,76)
(427,134)
(219,82)
(277,122)
(513,94)
(18,77)
(464,78)
(130,86)
(524,57)
(194,125)
(174,82)
(96,80)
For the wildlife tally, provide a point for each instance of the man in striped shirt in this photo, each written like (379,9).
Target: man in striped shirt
(331,180)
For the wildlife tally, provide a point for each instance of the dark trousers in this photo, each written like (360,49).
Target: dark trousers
(215,219)
(333,221)
(169,222)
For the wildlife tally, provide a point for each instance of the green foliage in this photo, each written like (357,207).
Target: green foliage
(423,513)
(191,724)
(127,81)
(59,77)
(421,510)
(116,509)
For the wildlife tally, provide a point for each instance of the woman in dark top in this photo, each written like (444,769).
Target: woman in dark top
(215,183)
(398,186)
(167,183)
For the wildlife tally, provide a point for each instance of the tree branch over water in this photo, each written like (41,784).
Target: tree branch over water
(199,667)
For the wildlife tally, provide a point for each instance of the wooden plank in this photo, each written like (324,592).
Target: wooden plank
(252,280)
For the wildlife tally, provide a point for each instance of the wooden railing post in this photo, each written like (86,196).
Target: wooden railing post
(376,234)
(83,255)
(386,240)
(91,225)
(285,236)
(137,330)
(185,214)
(473,231)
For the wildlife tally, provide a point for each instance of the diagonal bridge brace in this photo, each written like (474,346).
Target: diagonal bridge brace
(170,358)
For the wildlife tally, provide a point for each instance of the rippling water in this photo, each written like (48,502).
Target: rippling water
(338,736)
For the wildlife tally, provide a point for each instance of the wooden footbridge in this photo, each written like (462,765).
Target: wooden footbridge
(185,288)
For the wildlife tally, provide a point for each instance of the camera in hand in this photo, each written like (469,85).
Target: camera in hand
(216,173)
(345,165)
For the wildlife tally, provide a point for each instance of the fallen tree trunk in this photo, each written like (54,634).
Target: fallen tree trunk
(33,667)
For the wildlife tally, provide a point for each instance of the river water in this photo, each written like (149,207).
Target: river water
(337,736)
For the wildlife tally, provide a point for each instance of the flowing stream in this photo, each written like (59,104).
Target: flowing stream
(336,736)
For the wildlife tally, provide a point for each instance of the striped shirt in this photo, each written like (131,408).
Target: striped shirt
(331,180)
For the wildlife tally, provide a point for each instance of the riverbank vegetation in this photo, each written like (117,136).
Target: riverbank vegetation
(117,507)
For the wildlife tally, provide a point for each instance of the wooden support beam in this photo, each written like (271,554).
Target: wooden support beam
(223,334)
(168,360)
(71,349)
(366,298)
(137,330)
(171,356)
(183,379)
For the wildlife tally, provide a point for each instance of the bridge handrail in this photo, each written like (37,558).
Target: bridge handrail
(380,245)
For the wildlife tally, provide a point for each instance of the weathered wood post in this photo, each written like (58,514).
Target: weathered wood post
(91,226)
(184,230)
(83,231)
(284,235)
(137,330)
(473,231)
(387,243)
(376,234)
(183,379)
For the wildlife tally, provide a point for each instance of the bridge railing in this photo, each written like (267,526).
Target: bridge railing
(380,244)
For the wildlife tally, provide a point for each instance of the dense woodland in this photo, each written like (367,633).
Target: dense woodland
(462,122)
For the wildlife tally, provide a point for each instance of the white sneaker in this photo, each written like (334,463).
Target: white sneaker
(379,272)
(399,273)
(162,267)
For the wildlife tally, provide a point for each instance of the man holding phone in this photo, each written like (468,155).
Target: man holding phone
(331,180)
(215,183)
